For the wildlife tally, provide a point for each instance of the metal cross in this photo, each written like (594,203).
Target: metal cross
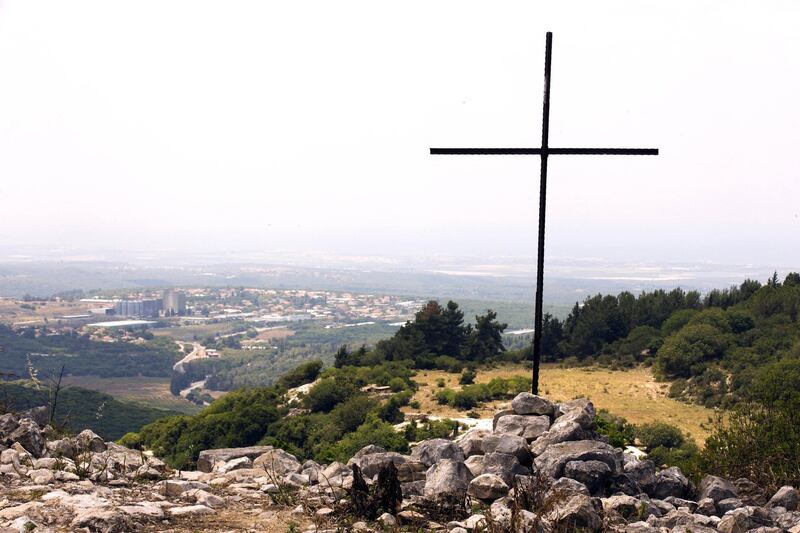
(543,152)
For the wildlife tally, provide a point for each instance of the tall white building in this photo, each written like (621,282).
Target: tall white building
(174,303)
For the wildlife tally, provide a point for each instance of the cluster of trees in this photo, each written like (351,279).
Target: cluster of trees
(622,324)
(710,346)
(436,338)
(19,352)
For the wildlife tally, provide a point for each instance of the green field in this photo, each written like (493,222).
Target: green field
(196,331)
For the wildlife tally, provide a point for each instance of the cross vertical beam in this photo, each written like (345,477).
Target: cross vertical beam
(543,152)
(537,332)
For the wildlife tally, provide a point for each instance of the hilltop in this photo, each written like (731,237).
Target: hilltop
(541,467)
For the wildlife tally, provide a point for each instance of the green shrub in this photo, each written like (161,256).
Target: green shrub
(619,432)
(677,388)
(131,440)
(352,413)
(448,364)
(373,431)
(305,373)
(389,411)
(328,393)
(445,396)
(431,429)
(686,457)
(659,434)
(761,438)
(397,384)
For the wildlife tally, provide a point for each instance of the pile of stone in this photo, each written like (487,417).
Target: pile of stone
(550,457)
(542,468)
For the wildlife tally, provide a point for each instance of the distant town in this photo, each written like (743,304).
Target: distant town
(254,306)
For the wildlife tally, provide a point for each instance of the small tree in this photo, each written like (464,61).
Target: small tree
(486,340)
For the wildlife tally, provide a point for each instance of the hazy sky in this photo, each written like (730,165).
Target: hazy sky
(306,125)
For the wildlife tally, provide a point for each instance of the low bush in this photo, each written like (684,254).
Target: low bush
(619,432)
(467,376)
(431,429)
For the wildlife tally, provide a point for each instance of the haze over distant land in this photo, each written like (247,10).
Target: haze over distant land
(42,272)
(192,128)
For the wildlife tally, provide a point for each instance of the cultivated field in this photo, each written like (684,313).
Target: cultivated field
(153,392)
(633,394)
(195,331)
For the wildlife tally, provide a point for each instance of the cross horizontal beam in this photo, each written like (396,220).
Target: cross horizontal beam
(544,151)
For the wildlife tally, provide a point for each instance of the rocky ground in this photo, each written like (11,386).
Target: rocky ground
(541,468)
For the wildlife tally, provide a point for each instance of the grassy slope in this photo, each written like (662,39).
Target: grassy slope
(633,394)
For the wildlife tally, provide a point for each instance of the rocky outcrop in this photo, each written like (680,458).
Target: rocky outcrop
(372,463)
(568,478)
(471,442)
(786,497)
(716,488)
(28,435)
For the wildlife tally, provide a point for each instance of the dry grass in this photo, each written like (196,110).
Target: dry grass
(240,516)
(634,394)
(12,312)
(277,333)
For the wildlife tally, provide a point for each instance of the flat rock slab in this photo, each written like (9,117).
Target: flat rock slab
(207,458)
(191,510)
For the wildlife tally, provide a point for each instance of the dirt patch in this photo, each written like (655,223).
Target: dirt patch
(276,333)
(241,516)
